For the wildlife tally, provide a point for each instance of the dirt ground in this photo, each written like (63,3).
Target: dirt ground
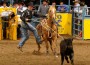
(10,55)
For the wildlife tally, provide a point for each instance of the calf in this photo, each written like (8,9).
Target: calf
(66,49)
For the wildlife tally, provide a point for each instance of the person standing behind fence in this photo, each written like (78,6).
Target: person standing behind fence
(26,25)
(76,6)
(16,5)
(43,9)
(54,4)
(83,7)
(21,8)
(62,8)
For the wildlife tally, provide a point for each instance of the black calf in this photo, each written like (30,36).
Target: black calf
(66,49)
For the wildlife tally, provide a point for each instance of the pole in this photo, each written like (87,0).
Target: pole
(69,4)
(40,2)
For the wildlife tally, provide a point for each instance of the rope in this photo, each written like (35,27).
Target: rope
(46,26)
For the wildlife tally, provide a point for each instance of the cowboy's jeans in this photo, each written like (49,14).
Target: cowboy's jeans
(25,35)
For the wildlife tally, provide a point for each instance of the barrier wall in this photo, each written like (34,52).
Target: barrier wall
(81,24)
(11,29)
(65,23)
(86,28)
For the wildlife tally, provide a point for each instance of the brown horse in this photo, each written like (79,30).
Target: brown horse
(48,30)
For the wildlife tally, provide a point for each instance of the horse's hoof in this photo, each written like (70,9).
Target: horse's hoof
(36,52)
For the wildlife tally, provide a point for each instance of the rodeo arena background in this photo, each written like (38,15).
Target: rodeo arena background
(44,32)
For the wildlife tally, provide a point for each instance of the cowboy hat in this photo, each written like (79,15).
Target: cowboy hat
(76,1)
(31,4)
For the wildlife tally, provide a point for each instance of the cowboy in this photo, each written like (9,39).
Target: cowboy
(25,26)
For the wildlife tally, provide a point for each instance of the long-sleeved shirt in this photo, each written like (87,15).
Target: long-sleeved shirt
(43,10)
(26,14)
(59,9)
(77,8)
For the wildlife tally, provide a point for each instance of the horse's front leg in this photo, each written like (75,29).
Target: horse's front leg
(47,46)
(54,46)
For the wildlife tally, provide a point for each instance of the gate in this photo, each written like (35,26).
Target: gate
(81,24)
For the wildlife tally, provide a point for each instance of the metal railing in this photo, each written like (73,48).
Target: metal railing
(87,11)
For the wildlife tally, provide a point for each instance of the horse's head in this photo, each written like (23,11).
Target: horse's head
(52,12)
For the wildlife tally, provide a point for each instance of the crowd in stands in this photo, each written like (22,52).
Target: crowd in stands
(42,9)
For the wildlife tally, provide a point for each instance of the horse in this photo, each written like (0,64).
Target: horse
(47,29)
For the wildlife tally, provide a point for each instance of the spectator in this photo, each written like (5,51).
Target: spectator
(84,7)
(54,4)
(62,7)
(76,6)
(4,5)
(21,8)
(43,9)
(79,7)
(15,5)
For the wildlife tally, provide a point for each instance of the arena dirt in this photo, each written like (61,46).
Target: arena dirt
(10,55)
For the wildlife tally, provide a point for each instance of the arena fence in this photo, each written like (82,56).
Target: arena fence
(76,24)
